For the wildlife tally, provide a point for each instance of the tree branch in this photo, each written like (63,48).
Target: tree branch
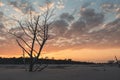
(22,47)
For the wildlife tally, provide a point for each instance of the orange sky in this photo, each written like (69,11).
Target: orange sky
(90,55)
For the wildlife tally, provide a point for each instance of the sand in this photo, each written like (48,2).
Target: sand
(61,72)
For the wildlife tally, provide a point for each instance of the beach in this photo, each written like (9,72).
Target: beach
(61,72)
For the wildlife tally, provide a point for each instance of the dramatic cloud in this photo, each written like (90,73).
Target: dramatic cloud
(111,8)
(1,15)
(47,5)
(4,36)
(67,16)
(60,4)
(109,36)
(89,29)
(2,28)
(94,26)
(91,17)
(108,7)
(76,29)
(22,5)
(59,27)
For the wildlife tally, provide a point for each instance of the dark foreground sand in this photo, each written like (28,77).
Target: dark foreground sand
(64,72)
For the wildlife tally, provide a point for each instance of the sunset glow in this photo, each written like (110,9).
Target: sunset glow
(83,30)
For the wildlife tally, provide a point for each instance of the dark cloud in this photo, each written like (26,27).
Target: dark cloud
(24,5)
(67,16)
(77,34)
(14,3)
(1,15)
(88,20)
(109,36)
(3,35)
(76,29)
(114,24)
(91,17)
(85,5)
(17,30)
(78,26)
(1,27)
(59,27)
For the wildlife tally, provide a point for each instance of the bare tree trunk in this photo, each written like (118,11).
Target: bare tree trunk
(117,61)
(31,65)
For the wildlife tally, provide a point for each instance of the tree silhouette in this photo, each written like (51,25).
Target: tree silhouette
(117,61)
(33,36)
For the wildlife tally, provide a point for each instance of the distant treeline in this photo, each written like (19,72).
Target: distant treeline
(40,61)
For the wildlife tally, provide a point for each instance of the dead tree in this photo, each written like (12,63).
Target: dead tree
(117,61)
(34,36)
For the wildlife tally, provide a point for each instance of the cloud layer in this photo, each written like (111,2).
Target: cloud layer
(90,29)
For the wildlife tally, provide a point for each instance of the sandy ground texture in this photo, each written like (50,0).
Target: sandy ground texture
(61,72)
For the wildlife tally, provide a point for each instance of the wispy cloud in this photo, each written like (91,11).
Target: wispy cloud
(47,5)
(60,4)
(111,8)
(1,4)
(21,6)
(66,16)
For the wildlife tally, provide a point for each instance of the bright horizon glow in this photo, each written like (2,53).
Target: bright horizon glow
(88,55)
